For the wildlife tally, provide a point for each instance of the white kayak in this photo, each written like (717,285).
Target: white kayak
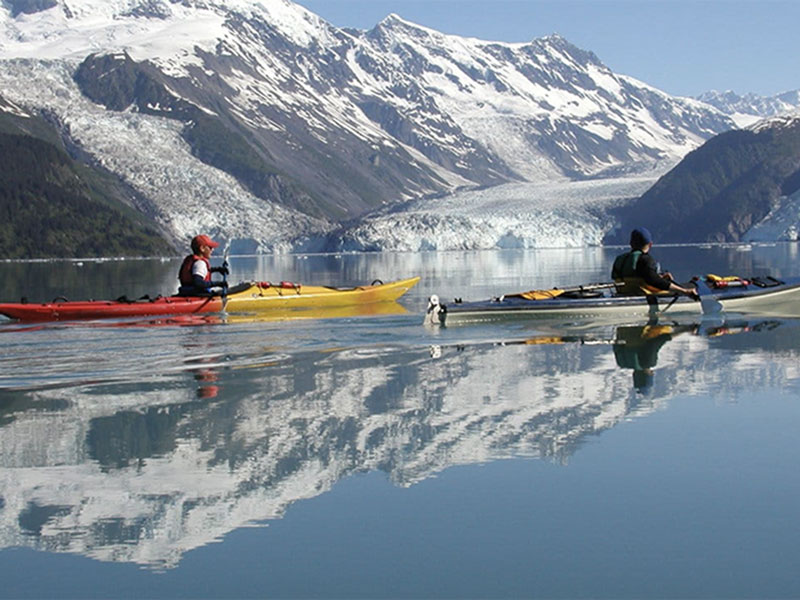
(755,295)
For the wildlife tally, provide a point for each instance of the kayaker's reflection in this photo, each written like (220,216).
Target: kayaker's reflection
(637,347)
(206,375)
(203,364)
(207,379)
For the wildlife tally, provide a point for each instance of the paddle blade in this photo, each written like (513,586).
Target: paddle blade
(708,301)
(710,305)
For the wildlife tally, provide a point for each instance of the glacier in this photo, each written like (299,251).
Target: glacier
(186,195)
(782,224)
(519,215)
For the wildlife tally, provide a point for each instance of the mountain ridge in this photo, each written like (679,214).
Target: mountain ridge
(752,104)
(298,126)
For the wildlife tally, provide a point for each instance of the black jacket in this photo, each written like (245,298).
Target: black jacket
(636,264)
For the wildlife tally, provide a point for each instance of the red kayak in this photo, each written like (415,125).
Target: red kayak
(104,309)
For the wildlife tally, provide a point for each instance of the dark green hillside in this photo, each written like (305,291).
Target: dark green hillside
(721,189)
(52,206)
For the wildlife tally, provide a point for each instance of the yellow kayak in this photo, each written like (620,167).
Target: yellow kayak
(258,296)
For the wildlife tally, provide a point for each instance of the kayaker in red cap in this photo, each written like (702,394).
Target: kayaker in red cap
(195,272)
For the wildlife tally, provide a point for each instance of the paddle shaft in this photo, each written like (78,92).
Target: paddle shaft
(225,274)
(588,287)
(671,302)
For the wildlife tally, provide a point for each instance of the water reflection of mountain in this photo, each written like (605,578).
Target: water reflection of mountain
(144,473)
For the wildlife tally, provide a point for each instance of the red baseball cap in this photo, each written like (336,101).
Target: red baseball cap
(203,240)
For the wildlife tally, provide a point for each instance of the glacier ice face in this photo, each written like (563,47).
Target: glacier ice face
(555,215)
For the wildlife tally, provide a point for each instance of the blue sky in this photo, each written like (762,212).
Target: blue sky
(684,47)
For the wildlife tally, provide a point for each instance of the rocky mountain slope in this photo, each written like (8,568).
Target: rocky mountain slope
(265,124)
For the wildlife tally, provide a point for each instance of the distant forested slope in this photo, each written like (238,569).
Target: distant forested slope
(717,192)
(53,206)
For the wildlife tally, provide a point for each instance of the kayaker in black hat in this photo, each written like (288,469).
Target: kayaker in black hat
(195,272)
(636,271)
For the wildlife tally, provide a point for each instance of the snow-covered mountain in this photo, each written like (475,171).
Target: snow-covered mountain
(782,223)
(749,108)
(259,121)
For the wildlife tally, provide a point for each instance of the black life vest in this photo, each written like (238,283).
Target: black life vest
(629,282)
(625,265)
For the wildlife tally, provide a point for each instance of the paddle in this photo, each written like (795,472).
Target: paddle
(589,287)
(694,296)
(708,301)
(225,253)
(671,302)
(557,291)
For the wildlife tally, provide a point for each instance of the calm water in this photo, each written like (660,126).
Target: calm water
(372,457)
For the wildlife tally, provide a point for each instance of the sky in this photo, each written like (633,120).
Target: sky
(683,47)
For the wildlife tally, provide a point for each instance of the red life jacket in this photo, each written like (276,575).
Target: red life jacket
(185,273)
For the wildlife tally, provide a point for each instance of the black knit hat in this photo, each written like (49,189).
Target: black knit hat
(640,237)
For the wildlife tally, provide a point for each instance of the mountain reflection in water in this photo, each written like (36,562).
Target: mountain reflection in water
(143,465)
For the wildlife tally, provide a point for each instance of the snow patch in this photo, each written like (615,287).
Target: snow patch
(781,224)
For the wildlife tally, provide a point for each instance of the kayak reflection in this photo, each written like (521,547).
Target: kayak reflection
(636,346)
(278,314)
(223,437)
(207,376)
